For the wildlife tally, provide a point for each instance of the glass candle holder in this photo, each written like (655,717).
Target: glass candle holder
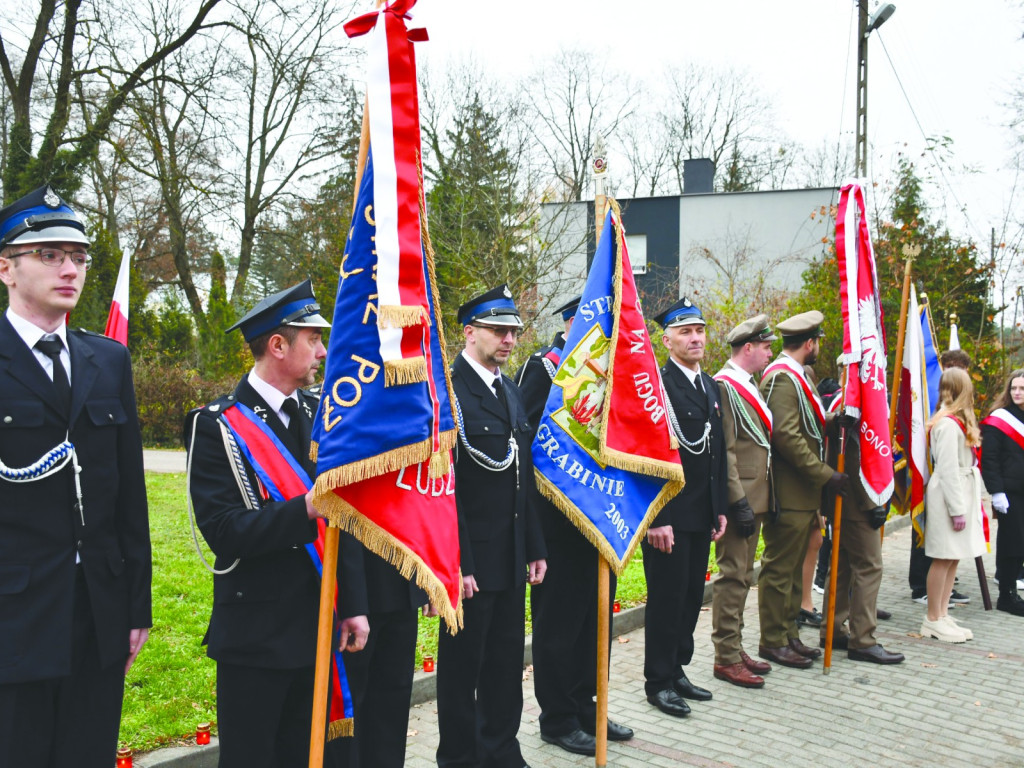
(428,663)
(616,607)
(203,733)
(124,758)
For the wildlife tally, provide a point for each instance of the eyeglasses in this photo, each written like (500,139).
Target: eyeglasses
(500,331)
(54,257)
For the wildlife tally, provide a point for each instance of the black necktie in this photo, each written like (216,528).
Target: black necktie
(51,347)
(291,407)
(499,390)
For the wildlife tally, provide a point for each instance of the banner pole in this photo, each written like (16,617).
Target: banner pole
(837,519)
(603,632)
(910,252)
(328,585)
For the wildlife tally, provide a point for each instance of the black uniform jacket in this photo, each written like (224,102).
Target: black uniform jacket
(265,609)
(705,496)
(41,528)
(1002,469)
(534,386)
(498,529)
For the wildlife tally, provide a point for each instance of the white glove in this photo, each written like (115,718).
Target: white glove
(1000,503)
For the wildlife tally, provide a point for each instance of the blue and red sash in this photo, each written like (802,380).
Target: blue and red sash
(281,478)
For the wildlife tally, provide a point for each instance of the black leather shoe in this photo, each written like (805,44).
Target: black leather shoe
(811,618)
(670,702)
(875,654)
(882,615)
(577,742)
(616,732)
(688,690)
(1011,603)
(839,642)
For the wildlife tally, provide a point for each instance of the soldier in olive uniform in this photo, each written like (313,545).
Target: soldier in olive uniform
(748,430)
(800,472)
(860,561)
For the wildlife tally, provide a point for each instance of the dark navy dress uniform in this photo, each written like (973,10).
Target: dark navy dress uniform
(65,625)
(263,626)
(480,670)
(564,606)
(675,581)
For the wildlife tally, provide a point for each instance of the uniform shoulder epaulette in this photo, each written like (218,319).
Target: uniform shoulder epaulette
(216,406)
(314,391)
(92,334)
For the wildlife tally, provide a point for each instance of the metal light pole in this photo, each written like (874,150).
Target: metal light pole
(865,27)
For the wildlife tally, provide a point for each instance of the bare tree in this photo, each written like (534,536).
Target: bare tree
(288,84)
(576,98)
(57,57)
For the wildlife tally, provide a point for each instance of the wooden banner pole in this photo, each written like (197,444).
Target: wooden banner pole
(603,632)
(328,584)
(837,520)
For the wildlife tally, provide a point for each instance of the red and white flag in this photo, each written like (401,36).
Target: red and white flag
(912,412)
(864,343)
(117,320)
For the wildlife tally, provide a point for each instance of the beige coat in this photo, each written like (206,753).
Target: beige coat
(955,488)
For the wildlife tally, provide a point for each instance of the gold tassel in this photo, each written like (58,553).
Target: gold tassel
(394,316)
(314,450)
(440,464)
(340,729)
(411,370)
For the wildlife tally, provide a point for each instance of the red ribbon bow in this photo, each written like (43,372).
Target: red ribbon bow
(360,25)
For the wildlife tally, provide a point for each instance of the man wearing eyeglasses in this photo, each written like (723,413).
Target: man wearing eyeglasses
(75,561)
(480,670)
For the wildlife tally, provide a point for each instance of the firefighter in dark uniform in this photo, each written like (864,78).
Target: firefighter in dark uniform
(266,589)
(679,540)
(563,607)
(480,670)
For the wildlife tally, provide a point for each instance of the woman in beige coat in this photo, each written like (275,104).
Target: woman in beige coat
(953,527)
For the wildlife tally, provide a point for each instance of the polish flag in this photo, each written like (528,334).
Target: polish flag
(117,320)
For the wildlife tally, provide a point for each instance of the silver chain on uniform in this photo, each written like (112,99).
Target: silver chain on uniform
(703,443)
(481,458)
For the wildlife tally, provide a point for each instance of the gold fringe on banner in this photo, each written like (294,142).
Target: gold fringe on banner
(314,450)
(666,470)
(343,515)
(412,370)
(585,526)
(397,316)
(339,729)
(382,463)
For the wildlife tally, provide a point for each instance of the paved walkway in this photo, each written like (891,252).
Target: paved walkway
(163,460)
(946,705)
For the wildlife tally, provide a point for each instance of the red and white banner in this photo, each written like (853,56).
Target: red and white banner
(393,109)
(912,411)
(863,343)
(117,320)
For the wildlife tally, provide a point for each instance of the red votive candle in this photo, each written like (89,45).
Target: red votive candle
(203,734)
(428,663)
(616,607)
(124,758)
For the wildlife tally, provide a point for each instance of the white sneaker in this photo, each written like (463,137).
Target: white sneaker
(821,590)
(1020,585)
(940,630)
(968,635)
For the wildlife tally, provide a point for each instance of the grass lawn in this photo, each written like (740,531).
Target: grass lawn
(171,688)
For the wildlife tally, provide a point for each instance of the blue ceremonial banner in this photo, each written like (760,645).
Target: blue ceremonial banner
(383,448)
(603,453)
(384,428)
(932,369)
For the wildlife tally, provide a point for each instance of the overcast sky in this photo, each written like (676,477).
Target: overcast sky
(958,61)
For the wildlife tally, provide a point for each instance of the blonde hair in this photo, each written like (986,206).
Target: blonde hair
(956,398)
